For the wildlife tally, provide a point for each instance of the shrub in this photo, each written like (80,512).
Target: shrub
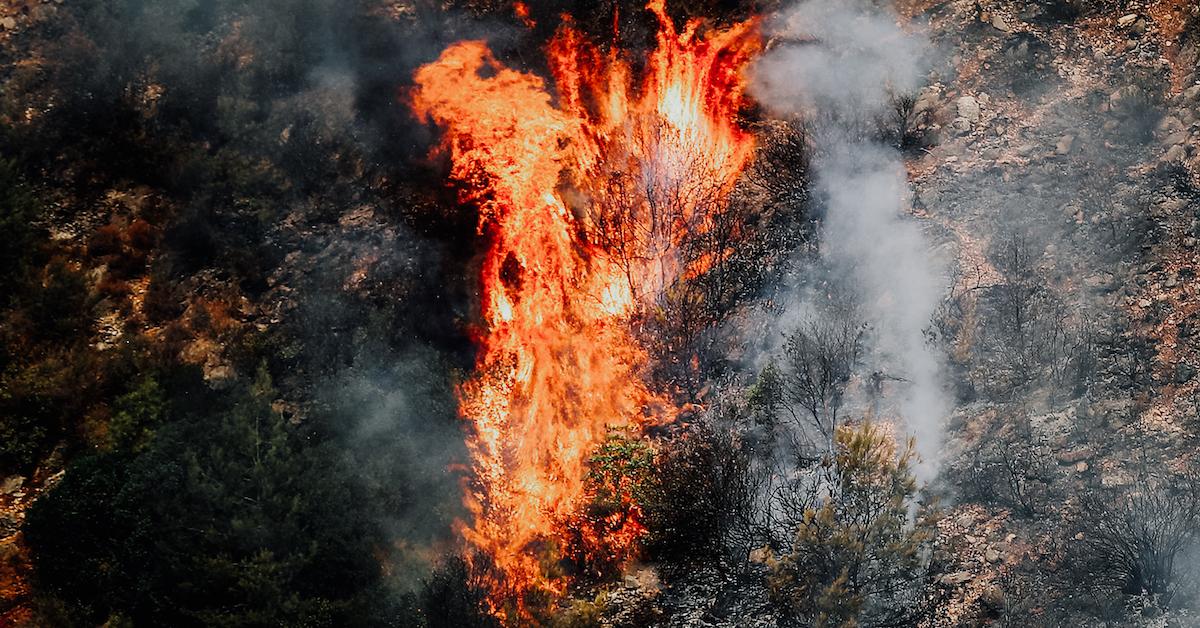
(855,559)
(700,497)
(223,519)
(18,216)
(1133,542)
(449,599)
(137,414)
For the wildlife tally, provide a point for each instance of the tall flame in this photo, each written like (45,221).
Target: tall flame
(585,206)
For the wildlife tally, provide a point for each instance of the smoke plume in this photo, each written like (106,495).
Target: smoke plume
(837,65)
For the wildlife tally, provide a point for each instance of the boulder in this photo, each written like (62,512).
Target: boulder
(968,109)
(957,578)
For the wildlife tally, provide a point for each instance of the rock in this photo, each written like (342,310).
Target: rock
(926,102)
(1177,137)
(1065,144)
(1171,124)
(1175,153)
(1192,93)
(1126,20)
(957,578)
(993,598)
(968,109)
(1075,455)
(1081,467)
(11,484)
(8,23)
(1184,373)
(1000,24)
(991,555)
(1116,478)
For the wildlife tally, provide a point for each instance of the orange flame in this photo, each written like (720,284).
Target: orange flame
(583,205)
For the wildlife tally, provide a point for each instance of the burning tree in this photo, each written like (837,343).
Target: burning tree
(592,209)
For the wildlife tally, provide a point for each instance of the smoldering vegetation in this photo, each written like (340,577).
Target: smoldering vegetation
(238,295)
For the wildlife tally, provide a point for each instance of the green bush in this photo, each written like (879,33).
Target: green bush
(19,212)
(855,558)
(228,519)
(137,414)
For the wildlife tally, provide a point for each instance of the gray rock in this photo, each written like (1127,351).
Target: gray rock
(1065,144)
(958,577)
(1176,153)
(1170,124)
(1184,373)
(1177,137)
(968,109)
(993,598)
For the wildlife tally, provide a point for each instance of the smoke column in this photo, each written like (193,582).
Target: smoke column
(836,64)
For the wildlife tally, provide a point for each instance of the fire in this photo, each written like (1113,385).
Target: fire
(587,203)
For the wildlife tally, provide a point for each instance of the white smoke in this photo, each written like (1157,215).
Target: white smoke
(836,64)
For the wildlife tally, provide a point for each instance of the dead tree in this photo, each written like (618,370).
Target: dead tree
(818,361)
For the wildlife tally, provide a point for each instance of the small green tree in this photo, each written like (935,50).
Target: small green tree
(137,414)
(857,557)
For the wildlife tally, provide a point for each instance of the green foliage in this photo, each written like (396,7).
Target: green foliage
(856,560)
(137,414)
(619,470)
(19,212)
(60,308)
(449,599)
(619,474)
(228,519)
(27,399)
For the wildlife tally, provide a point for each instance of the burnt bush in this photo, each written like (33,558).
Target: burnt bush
(1139,542)
(699,501)
(1013,467)
(1138,106)
(449,598)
